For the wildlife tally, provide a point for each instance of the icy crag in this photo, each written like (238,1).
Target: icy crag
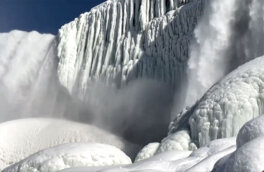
(123,40)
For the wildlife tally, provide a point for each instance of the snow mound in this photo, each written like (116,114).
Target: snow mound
(71,155)
(123,40)
(202,159)
(21,138)
(147,151)
(178,141)
(228,105)
(250,131)
(248,157)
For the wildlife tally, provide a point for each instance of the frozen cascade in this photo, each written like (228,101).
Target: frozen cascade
(230,33)
(123,40)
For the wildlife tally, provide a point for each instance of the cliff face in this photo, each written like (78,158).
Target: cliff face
(121,40)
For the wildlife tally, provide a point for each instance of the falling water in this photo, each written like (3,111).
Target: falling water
(230,33)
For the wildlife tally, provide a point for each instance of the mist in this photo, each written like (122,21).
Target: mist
(139,112)
(229,34)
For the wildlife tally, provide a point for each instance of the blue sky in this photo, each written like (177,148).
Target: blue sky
(45,16)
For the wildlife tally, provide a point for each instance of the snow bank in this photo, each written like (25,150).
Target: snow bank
(71,155)
(250,131)
(21,138)
(171,161)
(219,155)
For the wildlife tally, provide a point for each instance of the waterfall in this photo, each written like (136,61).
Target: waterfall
(28,75)
(230,33)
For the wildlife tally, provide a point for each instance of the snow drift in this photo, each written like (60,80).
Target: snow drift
(71,155)
(21,138)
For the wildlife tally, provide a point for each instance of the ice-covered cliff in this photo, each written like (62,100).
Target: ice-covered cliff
(121,40)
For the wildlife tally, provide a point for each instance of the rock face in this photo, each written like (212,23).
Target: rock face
(123,40)
(71,155)
(228,105)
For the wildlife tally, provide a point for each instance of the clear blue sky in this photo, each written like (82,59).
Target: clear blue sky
(45,16)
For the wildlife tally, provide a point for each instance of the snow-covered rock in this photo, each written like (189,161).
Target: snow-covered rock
(71,155)
(228,105)
(251,130)
(123,40)
(249,155)
(21,138)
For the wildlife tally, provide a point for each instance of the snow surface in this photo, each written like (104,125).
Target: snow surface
(249,155)
(227,106)
(171,161)
(71,155)
(21,138)
(221,155)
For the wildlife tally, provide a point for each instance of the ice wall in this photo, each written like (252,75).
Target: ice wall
(121,40)
(230,33)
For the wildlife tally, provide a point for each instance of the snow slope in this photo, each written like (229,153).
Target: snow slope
(21,138)
(71,155)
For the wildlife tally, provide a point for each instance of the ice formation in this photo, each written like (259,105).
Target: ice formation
(228,105)
(71,155)
(221,155)
(21,138)
(122,40)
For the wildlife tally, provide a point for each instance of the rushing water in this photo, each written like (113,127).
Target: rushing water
(230,33)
